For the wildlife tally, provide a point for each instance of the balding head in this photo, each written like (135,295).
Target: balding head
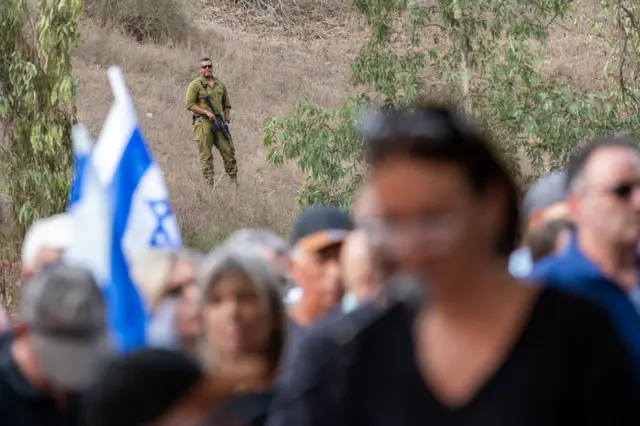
(604,192)
(45,242)
(357,266)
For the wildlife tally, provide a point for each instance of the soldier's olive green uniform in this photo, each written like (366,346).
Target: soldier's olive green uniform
(205,139)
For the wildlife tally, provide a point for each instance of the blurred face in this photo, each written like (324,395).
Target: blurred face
(237,318)
(188,313)
(607,201)
(319,275)
(45,256)
(181,274)
(429,221)
(356,266)
(206,69)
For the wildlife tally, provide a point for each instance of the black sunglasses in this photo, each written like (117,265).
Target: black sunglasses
(624,191)
(207,67)
(439,124)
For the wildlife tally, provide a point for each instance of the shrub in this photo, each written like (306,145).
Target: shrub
(146,20)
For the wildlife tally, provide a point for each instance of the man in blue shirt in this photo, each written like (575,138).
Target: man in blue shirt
(601,262)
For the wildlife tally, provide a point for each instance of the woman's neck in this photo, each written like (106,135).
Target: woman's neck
(471,296)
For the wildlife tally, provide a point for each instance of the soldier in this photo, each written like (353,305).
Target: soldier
(204,117)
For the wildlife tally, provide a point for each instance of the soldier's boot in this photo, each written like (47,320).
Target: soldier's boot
(234,179)
(209,178)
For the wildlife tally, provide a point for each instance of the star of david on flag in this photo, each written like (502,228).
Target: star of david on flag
(121,176)
(162,211)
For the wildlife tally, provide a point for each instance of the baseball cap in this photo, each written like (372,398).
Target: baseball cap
(548,191)
(320,226)
(64,311)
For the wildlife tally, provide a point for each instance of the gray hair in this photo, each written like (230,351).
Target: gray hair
(245,259)
(260,237)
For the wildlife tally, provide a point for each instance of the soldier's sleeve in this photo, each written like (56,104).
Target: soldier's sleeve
(226,103)
(192,95)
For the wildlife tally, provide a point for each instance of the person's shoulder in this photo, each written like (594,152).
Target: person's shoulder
(547,267)
(194,82)
(326,346)
(571,312)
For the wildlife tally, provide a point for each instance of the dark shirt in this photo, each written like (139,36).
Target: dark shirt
(21,404)
(571,271)
(297,332)
(243,410)
(568,367)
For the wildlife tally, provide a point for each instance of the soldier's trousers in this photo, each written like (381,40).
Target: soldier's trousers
(206,140)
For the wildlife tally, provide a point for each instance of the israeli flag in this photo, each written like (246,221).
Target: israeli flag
(90,212)
(124,176)
(82,145)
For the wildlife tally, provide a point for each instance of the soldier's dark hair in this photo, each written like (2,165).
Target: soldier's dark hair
(440,133)
(205,60)
(579,159)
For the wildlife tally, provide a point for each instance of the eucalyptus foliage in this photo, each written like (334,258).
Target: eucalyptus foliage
(487,57)
(37,108)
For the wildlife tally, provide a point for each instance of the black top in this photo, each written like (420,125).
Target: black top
(569,367)
(21,404)
(243,410)
(296,334)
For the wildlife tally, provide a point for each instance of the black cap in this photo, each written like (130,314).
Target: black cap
(140,387)
(320,226)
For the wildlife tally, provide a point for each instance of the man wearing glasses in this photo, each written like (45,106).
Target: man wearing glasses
(601,262)
(209,88)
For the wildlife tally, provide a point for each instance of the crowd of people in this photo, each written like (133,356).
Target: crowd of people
(444,299)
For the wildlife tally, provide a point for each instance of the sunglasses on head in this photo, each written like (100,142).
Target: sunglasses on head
(207,67)
(438,124)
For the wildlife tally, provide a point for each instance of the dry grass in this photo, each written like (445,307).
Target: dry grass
(263,76)
(266,62)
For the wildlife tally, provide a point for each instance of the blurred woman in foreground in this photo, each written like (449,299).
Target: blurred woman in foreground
(243,319)
(481,348)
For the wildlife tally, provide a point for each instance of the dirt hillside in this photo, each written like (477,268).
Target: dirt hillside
(265,67)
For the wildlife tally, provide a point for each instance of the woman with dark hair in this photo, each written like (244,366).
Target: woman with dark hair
(479,347)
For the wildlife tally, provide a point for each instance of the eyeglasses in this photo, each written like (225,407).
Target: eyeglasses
(431,229)
(439,124)
(207,67)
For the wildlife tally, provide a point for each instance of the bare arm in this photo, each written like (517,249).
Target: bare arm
(200,111)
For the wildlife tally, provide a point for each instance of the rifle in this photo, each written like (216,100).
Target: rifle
(220,123)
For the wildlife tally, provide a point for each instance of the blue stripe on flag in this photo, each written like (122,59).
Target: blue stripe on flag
(127,314)
(76,179)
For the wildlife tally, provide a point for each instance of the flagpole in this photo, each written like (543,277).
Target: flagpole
(118,84)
